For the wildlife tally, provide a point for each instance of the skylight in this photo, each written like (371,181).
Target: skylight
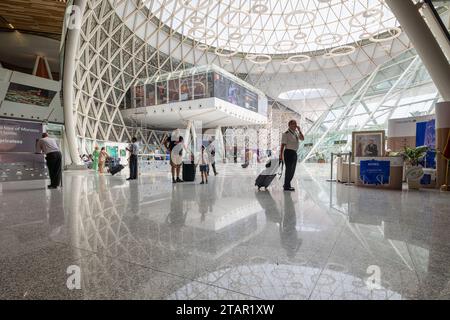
(275,26)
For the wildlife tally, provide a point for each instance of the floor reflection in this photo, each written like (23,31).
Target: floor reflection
(151,239)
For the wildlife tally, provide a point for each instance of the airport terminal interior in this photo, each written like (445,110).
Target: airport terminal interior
(147,149)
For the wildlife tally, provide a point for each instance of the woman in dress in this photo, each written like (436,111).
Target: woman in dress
(95,157)
(102,159)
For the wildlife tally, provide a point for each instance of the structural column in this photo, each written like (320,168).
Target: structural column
(442,133)
(187,135)
(220,143)
(73,25)
(426,45)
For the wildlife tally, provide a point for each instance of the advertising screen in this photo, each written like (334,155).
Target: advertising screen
(221,85)
(139,96)
(174,90)
(234,93)
(210,92)
(186,88)
(251,100)
(200,86)
(18,136)
(29,95)
(150,94)
(161,92)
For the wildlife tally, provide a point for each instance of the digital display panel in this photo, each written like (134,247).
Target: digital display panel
(150,95)
(20,93)
(186,92)
(161,92)
(139,96)
(174,90)
(200,86)
(234,93)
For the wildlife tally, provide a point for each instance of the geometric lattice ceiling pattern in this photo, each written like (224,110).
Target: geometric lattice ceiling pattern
(124,40)
(109,60)
(277,27)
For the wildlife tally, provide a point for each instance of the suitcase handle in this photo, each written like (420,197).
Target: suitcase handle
(281,170)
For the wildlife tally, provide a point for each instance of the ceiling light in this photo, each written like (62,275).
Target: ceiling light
(300,36)
(203,46)
(252,38)
(328,39)
(299,18)
(259,58)
(195,5)
(235,36)
(196,20)
(342,51)
(259,8)
(235,18)
(386,34)
(366,18)
(299,59)
(226,51)
(365,36)
(285,45)
(201,33)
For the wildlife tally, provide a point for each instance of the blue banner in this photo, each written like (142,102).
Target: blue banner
(375,172)
(426,136)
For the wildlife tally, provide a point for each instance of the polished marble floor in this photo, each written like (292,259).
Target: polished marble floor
(149,239)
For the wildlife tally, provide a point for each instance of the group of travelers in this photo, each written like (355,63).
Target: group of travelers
(176,148)
(288,155)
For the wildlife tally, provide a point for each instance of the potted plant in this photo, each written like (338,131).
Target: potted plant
(414,171)
(320,157)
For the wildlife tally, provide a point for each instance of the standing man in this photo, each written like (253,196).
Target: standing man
(212,155)
(50,148)
(133,149)
(290,142)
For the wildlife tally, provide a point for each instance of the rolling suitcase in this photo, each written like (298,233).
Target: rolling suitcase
(266,177)
(116,169)
(264,181)
(188,171)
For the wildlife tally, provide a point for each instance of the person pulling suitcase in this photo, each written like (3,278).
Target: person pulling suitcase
(290,143)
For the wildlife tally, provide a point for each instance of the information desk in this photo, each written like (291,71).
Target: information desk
(380,172)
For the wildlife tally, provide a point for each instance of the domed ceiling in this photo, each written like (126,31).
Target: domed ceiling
(270,27)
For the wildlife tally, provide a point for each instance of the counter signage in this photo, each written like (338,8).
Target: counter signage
(375,172)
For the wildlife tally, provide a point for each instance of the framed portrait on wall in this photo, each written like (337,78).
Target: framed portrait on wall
(368,144)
